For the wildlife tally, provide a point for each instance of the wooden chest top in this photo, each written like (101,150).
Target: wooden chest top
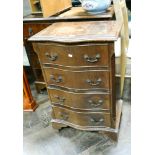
(71,32)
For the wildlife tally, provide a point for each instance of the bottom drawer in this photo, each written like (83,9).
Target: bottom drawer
(80,118)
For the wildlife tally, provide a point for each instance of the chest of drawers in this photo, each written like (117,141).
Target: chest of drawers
(78,64)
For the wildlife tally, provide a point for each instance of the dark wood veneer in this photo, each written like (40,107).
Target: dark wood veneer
(81,88)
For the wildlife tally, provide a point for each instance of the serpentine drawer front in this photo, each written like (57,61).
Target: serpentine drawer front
(82,118)
(86,55)
(77,79)
(78,64)
(87,101)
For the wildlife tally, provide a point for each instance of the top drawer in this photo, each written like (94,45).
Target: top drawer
(74,56)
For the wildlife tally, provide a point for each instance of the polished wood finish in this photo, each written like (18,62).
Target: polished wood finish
(29,103)
(80,79)
(86,55)
(80,118)
(94,100)
(85,78)
(113,133)
(49,7)
(77,32)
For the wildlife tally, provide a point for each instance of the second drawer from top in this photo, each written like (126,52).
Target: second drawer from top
(91,79)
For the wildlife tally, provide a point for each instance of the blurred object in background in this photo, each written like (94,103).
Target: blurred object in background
(128,3)
(76,3)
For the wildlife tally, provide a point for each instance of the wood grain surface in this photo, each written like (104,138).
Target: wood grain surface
(77,79)
(93,100)
(77,59)
(71,32)
(74,56)
(82,118)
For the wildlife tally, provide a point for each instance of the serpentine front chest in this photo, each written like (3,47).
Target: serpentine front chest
(78,64)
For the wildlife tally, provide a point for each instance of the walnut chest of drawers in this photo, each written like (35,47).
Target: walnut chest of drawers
(78,64)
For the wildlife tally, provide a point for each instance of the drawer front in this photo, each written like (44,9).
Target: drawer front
(80,100)
(31,29)
(91,55)
(82,118)
(78,79)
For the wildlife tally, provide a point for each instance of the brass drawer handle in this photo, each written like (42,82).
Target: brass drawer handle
(95,104)
(61,100)
(58,80)
(30,31)
(96,121)
(92,59)
(52,57)
(64,116)
(93,83)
